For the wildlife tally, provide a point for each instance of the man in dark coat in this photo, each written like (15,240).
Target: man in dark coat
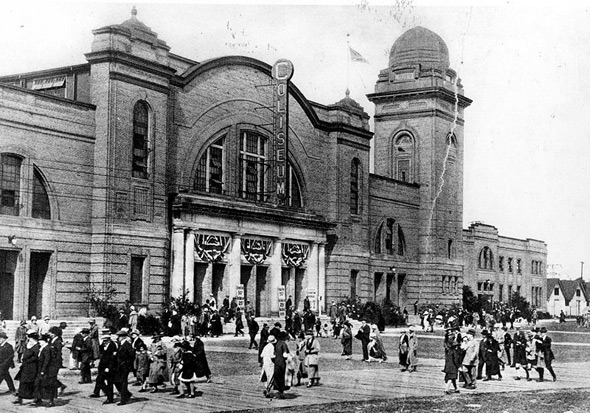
(264,333)
(56,341)
(122,321)
(364,336)
(280,364)
(252,331)
(20,340)
(490,356)
(107,367)
(85,356)
(306,304)
(125,361)
(481,358)
(6,361)
(545,353)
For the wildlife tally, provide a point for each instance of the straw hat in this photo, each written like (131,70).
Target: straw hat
(272,339)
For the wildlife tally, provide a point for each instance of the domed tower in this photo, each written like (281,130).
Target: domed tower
(419,106)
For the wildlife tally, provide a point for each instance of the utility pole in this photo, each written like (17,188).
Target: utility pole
(582,269)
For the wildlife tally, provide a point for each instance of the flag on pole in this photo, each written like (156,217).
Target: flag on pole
(356,56)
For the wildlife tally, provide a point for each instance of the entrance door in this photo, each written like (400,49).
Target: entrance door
(200,273)
(388,285)
(262,293)
(245,275)
(402,298)
(217,283)
(39,284)
(8,260)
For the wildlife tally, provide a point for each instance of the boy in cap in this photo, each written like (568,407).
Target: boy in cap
(6,361)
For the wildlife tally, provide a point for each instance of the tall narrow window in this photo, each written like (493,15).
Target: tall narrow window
(353,281)
(210,169)
(41,208)
(389,235)
(401,241)
(354,186)
(140,140)
(378,238)
(294,188)
(136,281)
(404,157)
(9,184)
(253,166)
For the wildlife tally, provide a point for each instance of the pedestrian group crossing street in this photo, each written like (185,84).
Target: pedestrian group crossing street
(243,392)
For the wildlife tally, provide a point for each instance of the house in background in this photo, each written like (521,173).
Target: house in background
(571,296)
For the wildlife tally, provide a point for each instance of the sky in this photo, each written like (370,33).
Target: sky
(524,64)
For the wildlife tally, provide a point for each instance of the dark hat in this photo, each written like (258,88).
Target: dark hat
(543,330)
(45,337)
(485,333)
(277,324)
(308,332)
(471,331)
(85,331)
(3,335)
(186,345)
(158,335)
(122,332)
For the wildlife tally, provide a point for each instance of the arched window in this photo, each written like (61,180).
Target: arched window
(210,169)
(139,167)
(486,259)
(452,147)
(401,241)
(404,157)
(41,208)
(354,186)
(253,156)
(10,166)
(389,232)
(294,188)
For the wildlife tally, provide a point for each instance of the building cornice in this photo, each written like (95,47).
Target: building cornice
(430,92)
(114,56)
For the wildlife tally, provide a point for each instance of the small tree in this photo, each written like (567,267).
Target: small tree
(471,303)
(521,304)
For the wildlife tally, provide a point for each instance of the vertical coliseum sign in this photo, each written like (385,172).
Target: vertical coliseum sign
(282,71)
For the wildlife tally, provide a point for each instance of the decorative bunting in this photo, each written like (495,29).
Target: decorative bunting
(295,255)
(256,250)
(211,248)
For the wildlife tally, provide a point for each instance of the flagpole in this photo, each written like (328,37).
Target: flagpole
(348,64)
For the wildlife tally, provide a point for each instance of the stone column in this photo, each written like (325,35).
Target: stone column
(312,272)
(322,276)
(189,265)
(276,275)
(234,265)
(177,277)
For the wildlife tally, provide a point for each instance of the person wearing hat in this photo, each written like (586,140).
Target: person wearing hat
(94,338)
(20,340)
(531,354)
(253,328)
(125,361)
(481,356)
(452,359)
(173,359)
(544,354)
(85,356)
(107,367)
(470,360)
(519,342)
(123,321)
(346,340)
(266,374)
(136,342)
(6,361)
(158,368)
(312,358)
(490,356)
(27,375)
(280,367)
(141,366)
(56,341)
(33,324)
(47,371)
(188,369)
(363,335)
(203,369)
(239,323)
(44,325)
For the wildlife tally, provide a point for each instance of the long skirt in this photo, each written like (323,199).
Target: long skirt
(347,347)
(27,390)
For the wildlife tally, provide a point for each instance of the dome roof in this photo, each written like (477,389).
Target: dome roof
(419,46)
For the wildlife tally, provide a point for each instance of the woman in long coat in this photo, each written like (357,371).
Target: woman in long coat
(280,367)
(404,345)
(48,368)
(346,340)
(27,374)
(379,341)
(312,358)
(202,364)
(158,367)
(453,359)
(490,356)
(188,369)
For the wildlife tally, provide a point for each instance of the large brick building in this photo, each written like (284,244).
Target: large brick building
(159,175)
